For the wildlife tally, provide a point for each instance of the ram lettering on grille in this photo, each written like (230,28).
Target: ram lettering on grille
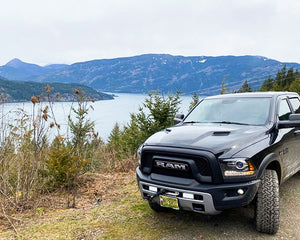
(171,165)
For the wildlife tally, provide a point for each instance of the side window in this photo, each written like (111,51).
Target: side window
(295,104)
(284,110)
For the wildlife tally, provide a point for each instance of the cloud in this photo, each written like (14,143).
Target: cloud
(68,31)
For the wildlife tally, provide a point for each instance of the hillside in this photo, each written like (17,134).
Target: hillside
(14,91)
(139,74)
(18,70)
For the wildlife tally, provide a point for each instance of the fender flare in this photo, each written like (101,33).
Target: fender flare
(272,157)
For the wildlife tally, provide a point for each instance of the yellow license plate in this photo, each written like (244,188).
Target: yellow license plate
(168,202)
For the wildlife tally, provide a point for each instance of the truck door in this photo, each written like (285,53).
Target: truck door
(285,148)
(295,103)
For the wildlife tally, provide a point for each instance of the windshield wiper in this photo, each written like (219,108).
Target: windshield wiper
(228,122)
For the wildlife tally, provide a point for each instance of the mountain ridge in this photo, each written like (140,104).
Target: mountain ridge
(165,72)
(19,91)
(16,69)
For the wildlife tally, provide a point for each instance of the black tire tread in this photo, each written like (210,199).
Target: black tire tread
(156,207)
(267,209)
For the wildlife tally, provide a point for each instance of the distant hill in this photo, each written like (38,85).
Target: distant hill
(16,91)
(140,74)
(18,70)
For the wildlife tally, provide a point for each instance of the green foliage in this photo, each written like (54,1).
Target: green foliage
(22,91)
(162,111)
(120,140)
(81,128)
(195,100)
(290,77)
(79,147)
(60,163)
(267,85)
(115,137)
(156,114)
(245,87)
(223,88)
(280,79)
(284,81)
(22,155)
(30,164)
(295,86)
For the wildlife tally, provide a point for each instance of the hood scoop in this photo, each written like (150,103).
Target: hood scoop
(221,133)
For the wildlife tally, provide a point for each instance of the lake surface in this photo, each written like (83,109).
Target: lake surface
(105,114)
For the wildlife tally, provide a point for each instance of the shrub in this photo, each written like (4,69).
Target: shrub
(60,164)
(22,156)
(68,158)
(194,102)
(156,113)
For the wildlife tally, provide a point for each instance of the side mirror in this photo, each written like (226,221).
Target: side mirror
(294,117)
(294,121)
(178,118)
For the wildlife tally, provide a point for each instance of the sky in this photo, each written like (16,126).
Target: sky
(68,31)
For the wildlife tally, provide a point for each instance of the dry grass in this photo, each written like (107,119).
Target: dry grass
(122,214)
(116,215)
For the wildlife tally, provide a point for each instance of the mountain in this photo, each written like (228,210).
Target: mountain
(55,67)
(16,91)
(18,70)
(140,74)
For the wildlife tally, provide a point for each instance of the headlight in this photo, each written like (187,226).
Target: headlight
(236,167)
(139,153)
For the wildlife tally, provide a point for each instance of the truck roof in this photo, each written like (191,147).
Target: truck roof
(254,94)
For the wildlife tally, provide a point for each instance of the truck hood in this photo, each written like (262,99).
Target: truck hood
(221,139)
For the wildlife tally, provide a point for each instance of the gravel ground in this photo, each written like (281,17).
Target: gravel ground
(238,223)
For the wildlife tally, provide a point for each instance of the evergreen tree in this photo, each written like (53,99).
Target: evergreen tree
(115,136)
(223,88)
(156,114)
(295,86)
(245,87)
(195,100)
(280,78)
(289,79)
(162,111)
(267,85)
(284,81)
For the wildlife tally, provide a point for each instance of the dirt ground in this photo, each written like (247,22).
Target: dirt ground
(124,215)
(238,223)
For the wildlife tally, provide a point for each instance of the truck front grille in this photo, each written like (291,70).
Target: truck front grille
(203,167)
(202,164)
(172,172)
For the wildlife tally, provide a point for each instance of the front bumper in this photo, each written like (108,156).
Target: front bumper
(206,198)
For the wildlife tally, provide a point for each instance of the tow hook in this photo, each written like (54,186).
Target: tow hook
(163,191)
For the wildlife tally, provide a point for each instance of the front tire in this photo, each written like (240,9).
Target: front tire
(267,203)
(156,207)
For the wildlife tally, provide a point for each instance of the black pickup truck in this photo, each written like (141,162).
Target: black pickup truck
(229,151)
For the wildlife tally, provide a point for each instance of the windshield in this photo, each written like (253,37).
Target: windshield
(236,110)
